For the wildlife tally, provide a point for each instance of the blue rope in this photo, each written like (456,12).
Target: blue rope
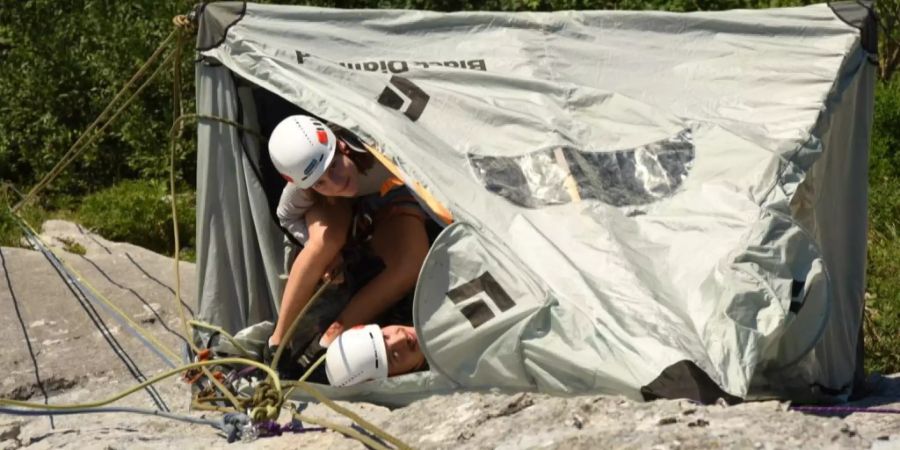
(87,301)
(113,409)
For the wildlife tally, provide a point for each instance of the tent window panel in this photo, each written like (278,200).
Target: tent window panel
(634,176)
(533,180)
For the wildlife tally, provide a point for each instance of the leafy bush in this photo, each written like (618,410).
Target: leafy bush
(60,64)
(140,212)
(883,268)
(882,315)
(10,235)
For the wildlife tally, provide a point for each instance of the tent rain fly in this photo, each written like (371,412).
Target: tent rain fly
(647,204)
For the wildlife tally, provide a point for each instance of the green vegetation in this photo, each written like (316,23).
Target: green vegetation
(139,212)
(71,246)
(883,284)
(61,62)
(11,234)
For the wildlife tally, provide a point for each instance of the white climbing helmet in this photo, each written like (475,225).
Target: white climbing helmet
(358,354)
(301,149)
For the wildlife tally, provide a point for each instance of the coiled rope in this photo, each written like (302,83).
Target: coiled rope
(268,399)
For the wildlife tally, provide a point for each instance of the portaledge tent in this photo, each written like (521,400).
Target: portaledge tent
(644,203)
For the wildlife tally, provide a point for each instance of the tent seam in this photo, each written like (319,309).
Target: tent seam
(227,27)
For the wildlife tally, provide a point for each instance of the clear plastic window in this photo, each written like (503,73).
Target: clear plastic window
(629,177)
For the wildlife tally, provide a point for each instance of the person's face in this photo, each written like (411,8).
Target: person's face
(341,179)
(403,351)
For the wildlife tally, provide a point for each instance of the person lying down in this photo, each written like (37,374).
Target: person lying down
(363,353)
(370,352)
(388,346)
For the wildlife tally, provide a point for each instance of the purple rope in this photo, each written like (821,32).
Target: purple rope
(270,428)
(297,427)
(843,409)
(236,375)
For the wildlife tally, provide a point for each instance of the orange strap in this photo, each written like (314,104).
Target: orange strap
(389,184)
(436,207)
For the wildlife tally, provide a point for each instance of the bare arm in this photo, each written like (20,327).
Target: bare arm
(328,225)
(402,243)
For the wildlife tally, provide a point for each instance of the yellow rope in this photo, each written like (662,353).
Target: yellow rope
(368,426)
(9,187)
(220,330)
(177,107)
(265,402)
(140,330)
(173,133)
(155,379)
(196,405)
(184,22)
(350,432)
(75,152)
(197,117)
(176,124)
(289,334)
(309,371)
(60,166)
(174,199)
(137,328)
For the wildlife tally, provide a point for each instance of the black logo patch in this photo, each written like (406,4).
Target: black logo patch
(404,96)
(478,312)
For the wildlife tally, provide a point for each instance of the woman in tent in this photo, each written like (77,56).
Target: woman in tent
(340,201)
(350,359)
(360,354)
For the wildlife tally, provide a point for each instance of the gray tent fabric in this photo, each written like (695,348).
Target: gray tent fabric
(216,22)
(860,14)
(637,197)
(239,259)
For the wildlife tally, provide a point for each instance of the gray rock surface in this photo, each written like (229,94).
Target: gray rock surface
(75,363)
